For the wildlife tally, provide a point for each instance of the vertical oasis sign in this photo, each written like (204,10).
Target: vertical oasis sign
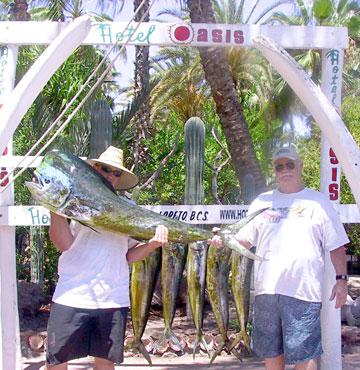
(4,54)
(333,95)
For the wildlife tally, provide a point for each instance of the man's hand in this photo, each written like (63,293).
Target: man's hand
(142,250)
(160,238)
(340,291)
(216,240)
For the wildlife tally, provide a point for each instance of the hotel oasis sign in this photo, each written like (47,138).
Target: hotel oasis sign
(176,34)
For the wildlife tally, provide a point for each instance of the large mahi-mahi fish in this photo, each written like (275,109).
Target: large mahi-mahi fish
(68,186)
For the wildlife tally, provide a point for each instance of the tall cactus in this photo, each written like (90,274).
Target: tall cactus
(37,255)
(194,194)
(194,161)
(101,128)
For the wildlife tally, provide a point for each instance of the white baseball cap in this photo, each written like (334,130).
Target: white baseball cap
(285,152)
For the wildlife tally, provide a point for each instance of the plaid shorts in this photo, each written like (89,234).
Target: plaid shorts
(76,332)
(286,325)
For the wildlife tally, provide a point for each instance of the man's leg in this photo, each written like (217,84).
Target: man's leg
(103,364)
(276,363)
(308,365)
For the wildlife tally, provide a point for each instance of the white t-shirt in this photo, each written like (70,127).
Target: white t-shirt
(293,235)
(94,272)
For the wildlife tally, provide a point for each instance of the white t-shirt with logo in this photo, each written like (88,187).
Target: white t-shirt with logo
(94,272)
(293,235)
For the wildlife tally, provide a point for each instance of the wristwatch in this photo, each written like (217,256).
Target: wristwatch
(341,277)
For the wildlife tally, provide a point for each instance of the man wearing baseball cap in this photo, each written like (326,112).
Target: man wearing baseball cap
(293,234)
(91,300)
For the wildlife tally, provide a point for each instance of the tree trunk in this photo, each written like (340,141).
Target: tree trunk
(18,11)
(142,78)
(228,107)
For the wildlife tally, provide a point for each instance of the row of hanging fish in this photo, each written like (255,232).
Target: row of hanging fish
(206,267)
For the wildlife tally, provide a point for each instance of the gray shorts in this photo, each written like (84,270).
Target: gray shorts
(285,325)
(75,333)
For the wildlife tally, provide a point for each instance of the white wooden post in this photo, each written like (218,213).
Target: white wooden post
(10,355)
(330,171)
(14,107)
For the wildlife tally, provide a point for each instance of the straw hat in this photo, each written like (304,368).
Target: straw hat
(114,157)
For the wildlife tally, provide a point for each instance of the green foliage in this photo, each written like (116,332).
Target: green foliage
(51,255)
(322,8)
(353,232)
(170,185)
(309,150)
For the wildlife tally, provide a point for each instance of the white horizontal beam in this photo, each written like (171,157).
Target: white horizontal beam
(177,34)
(18,161)
(209,214)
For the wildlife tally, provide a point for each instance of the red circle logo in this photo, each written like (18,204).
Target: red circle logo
(181,34)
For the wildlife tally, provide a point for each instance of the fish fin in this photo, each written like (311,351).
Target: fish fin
(90,227)
(232,243)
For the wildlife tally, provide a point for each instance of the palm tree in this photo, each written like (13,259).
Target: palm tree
(181,88)
(251,73)
(343,13)
(142,80)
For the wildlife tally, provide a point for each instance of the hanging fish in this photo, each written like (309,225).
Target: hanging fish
(172,267)
(144,275)
(196,280)
(217,277)
(240,285)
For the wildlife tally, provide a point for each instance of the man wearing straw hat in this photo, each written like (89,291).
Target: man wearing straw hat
(91,299)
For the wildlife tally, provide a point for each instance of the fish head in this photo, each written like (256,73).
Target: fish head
(51,186)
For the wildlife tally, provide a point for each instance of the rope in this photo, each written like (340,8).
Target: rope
(62,127)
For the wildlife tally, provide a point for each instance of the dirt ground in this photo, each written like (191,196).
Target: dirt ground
(168,355)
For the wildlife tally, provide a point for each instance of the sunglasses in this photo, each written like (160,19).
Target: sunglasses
(109,170)
(289,166)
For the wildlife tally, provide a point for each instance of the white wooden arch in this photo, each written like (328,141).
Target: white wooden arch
(271,40)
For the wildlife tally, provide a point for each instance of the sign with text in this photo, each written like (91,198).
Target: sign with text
(210,214)
(178,34)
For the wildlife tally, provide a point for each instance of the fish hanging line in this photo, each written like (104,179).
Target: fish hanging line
(82,102)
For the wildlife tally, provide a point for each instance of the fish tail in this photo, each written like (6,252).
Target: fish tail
(175,340)
(232,243)
(236,354)
(245,338)
(218,351)
(144,352)
(203,341)
(236,226)
(163,336)
(139,346)
(196,344)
